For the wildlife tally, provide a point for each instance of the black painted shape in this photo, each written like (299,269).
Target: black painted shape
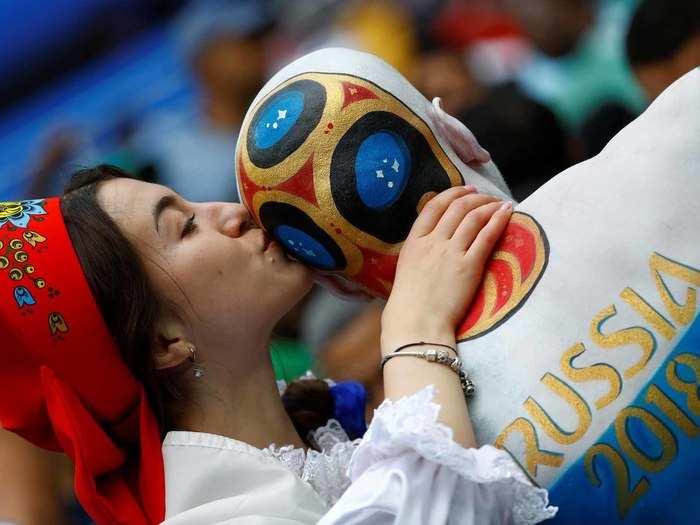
(314,103)
(274,214)
(393,223)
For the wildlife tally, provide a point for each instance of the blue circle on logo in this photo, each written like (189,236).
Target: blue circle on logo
(304,247)
(382,168)
(278,117)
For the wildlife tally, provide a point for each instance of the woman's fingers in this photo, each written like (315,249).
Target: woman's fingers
(457,212)
(488,235)
(473,222)
(435,208)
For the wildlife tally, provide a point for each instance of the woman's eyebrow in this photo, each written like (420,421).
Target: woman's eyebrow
(164,202)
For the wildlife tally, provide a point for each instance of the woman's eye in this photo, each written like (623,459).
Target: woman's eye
(190,226)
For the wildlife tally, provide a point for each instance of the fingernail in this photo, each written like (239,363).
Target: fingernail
(470,187)
(507,206)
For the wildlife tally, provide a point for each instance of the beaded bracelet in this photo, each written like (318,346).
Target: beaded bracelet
(423,343)
(437,356)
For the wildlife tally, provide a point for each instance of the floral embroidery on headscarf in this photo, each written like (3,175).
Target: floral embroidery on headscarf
(23,297)
(58,326)
(18,213)
(15,257)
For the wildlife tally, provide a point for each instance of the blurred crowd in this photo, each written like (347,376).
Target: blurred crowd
(543,84)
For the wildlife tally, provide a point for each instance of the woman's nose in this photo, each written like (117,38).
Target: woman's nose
(232,219)
(236,220)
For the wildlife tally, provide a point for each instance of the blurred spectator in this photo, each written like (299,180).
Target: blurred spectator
(605,122)
(59,149)
(325,314)
(577,61)
(70,147)
(352,353)
(663,42)
(383,28)
(224,44)
(525,140)
(124,153)
(523,136)
(488,36)
(555,27)
(443,73)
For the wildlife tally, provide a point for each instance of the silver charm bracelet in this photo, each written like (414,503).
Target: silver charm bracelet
(438,356)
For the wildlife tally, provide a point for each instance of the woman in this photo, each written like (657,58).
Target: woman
(189,294)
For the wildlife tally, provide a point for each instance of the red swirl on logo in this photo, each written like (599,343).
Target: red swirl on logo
(515,267)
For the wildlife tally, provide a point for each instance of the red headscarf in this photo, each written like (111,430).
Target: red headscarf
(64,384)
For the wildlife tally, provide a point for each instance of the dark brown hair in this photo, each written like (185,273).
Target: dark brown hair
(130,307)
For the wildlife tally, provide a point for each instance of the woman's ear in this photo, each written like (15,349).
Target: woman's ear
(173,347)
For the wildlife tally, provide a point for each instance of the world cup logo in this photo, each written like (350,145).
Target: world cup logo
(336,170)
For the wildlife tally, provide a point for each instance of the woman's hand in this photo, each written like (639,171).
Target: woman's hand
(440,266)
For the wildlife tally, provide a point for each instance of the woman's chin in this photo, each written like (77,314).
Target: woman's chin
(306,277)
(299,279)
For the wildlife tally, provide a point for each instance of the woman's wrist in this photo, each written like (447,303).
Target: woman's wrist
(392,339)
(406,375)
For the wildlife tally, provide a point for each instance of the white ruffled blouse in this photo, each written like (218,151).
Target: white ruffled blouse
(406,470)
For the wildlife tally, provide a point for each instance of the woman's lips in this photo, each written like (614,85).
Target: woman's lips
(269,243)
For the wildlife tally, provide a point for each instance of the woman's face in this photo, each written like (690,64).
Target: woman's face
(223,274)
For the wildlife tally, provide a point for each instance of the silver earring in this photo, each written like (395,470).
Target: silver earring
(197,370)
